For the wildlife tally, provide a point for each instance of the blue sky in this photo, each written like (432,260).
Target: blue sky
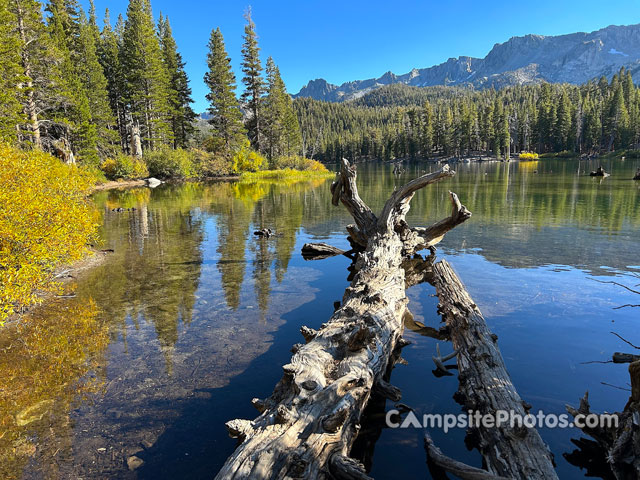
(351,40)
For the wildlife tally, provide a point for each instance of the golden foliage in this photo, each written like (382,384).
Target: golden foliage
(45,220)
(528,156)
(247,160)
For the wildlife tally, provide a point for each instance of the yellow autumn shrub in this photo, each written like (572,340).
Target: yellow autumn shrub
(297,162)
(247,160)
(46,220)
(528,156)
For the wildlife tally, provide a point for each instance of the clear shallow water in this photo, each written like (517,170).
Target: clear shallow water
(192,316)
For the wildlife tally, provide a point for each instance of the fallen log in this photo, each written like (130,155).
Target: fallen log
(308,425)
(317,251)
(485,386)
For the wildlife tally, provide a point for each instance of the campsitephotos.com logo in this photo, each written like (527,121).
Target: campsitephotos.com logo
(501,418)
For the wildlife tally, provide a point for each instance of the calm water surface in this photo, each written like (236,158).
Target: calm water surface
(192,316)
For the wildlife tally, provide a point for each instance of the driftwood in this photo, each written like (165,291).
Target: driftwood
(485,386)
(264,232)
(459,469)
(620,357)
(307,427)
(599,172)
(317,251)
(619,442)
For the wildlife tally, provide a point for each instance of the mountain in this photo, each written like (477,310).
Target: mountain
(573,58)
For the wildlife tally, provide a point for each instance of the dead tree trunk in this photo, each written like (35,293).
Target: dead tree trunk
(30,108)
(308,425)
(485,385)
(136,145)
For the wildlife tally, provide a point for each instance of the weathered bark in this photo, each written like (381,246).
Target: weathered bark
(308,425)
(634,373)
(62,150)
(485,385)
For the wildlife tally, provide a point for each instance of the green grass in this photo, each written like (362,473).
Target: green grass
(285,174)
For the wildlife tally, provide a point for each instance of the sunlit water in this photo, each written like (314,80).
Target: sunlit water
(192,316)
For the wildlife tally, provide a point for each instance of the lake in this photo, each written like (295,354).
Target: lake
(192,316)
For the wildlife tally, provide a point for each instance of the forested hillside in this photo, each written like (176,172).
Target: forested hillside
(398,121)
(117,96)
(76,87)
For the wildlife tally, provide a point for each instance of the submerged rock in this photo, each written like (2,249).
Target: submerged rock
(33,413)
(134,462)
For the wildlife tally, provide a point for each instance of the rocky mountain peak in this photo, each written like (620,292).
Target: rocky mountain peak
(572,58)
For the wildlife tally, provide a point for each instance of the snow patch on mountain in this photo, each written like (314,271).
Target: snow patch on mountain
(613,51)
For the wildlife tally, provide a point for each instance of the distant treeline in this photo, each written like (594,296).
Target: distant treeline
(409,122)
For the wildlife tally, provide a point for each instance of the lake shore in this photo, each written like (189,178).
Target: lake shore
(64,274)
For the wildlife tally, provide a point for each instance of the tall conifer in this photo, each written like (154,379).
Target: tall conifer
(224,108)
(253,82)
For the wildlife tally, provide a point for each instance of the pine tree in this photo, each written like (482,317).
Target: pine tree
(427,129)
(91,73)
(11,112)
(563,122)
(85,114)
(146,77)
(254,84)
(38,75)
(110,46)
(281,129)
(617,125)
(223,105)
(182,115)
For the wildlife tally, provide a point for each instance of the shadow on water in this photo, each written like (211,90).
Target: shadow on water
(194,446)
